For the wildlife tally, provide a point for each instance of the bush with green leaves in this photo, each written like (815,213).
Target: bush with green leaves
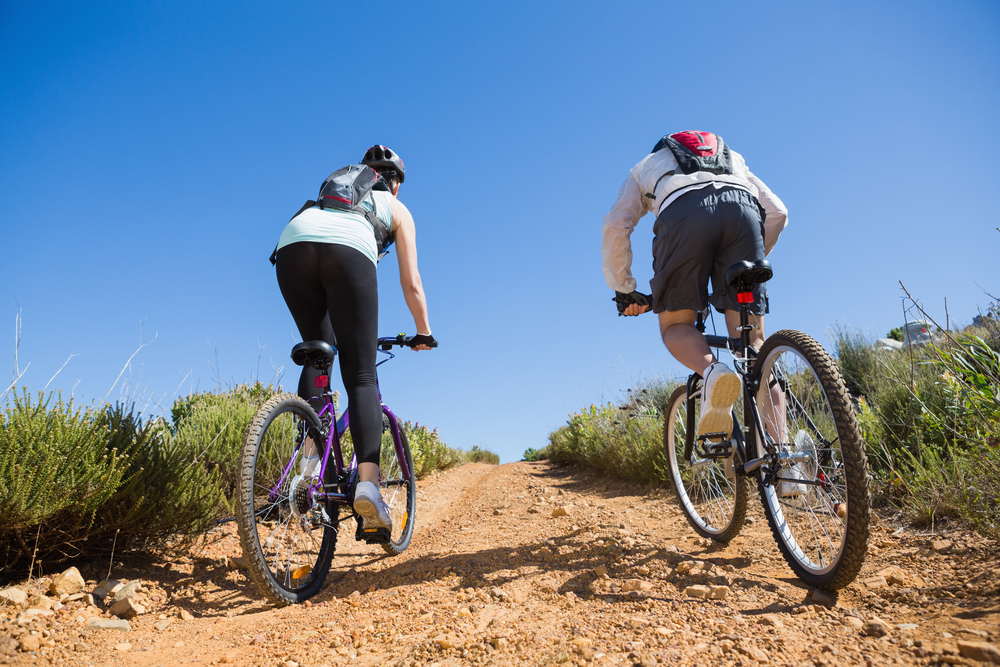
(623,441)
(81,481)
(212,424)
(931,418)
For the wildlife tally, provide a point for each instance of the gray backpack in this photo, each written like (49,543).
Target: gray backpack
(345,190)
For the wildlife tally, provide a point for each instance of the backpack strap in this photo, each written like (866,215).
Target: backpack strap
(652,195)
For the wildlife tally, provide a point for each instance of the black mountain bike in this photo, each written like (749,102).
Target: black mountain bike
(799,440)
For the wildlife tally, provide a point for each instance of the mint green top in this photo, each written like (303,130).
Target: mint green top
(342,227)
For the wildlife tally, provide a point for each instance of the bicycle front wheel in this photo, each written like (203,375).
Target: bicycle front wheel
(398,487)
(817,502)
(713,496)
(288,538)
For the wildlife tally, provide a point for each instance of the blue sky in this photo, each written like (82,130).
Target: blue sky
(150,154)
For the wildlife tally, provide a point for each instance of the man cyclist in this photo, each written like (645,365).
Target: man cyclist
(711,212)
(325,264)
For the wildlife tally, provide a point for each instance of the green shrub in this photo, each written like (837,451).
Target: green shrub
(427,449)
(477,455)
(532,454)
(624,441)
(80,481)
(212,426)
(931,417)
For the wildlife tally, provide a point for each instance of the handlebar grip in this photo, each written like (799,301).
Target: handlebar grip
(419,339)
(623,300)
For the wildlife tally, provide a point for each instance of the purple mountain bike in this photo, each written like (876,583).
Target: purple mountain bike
(289,521)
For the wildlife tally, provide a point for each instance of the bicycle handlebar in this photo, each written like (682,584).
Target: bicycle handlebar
(401,340)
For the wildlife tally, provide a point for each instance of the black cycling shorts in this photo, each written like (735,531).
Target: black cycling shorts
(697,238)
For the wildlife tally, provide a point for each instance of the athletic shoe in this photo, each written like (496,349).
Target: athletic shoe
(803,444)
(369,504)
(718,395)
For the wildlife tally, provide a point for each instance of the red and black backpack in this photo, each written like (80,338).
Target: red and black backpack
(698,151)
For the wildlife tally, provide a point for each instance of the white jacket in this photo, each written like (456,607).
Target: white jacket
(633,204)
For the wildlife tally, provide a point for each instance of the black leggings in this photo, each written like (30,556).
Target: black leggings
(332,293)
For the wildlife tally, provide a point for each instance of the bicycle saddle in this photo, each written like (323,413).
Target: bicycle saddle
(316,353)
(744,275)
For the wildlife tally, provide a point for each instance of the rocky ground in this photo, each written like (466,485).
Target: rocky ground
(527,564)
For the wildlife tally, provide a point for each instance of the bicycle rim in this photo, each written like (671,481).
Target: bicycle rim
(399,491)
(288,539)
(712,496)
(819,509)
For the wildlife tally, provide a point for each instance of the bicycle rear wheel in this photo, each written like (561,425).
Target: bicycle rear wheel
(288,539)
(399,489)
(713,496)
(818,506)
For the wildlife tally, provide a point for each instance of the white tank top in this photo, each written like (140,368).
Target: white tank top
(341,227)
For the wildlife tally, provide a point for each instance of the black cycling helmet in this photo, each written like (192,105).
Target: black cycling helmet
(380,158)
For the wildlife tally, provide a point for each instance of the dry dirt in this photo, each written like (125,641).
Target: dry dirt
(492,578)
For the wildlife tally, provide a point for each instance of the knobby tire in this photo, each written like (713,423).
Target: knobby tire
(260,460)
(844,462)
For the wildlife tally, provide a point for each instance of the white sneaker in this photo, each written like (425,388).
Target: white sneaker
(803,444)
(718,395)
(369,504)
(309,466)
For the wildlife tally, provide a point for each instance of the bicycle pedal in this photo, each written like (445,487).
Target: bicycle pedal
(376,535)
(715,450)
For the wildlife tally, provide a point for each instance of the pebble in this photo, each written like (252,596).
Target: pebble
(601,571)
(161,625)
(123,647)
(981,651)
(772,620)
(823,598)
(127,608)
(697,591)
(126,592)
(562,510)
(853,622)
(876,627)
(106,588)
(29,643)
(14,595)
(875,582)
(186,615)
(718,592)
(67,583)
(941,546)
(108,624)
(636,585)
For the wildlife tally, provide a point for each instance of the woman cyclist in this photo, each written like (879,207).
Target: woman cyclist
(325,263)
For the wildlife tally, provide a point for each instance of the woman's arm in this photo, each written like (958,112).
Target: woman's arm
(409,278)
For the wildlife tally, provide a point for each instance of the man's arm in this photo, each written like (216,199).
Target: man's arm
(616,246)
(777,214)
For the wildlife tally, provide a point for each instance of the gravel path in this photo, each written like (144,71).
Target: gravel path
(493,578)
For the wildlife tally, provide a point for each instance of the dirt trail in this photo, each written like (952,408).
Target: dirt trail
(492,577)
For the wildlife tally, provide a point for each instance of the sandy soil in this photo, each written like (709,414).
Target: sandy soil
(492,578)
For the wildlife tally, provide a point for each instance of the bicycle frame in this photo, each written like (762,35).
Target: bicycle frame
(334,428)
(745,438)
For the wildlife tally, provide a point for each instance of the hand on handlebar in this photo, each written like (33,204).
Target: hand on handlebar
(420,342)
(633,303)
